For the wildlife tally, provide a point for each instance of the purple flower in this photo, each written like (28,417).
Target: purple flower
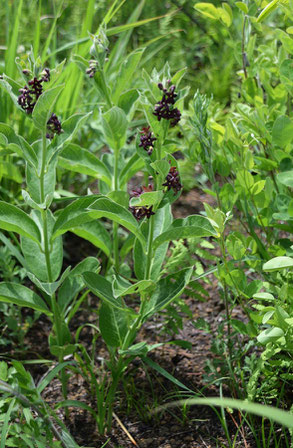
(147,140)
(164,108)
(53,127)
(29,94)
(173,180)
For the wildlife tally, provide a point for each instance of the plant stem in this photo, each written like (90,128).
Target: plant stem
(43,166)
(150,247)
(46,245)
(115,224)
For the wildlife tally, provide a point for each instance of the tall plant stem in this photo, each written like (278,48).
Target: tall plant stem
(150,248)
(115,224)
(43,166)
(54,305)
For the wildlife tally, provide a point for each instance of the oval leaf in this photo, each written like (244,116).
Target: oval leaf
(22,296)
(15,220)
(278,263)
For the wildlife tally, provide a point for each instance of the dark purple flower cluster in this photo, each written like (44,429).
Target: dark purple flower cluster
(53,127)
(147,140)
(30,94)
(173,180)
(164,108)
(141,212)
(92,68)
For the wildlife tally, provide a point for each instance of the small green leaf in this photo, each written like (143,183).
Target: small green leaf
(258,187)
(278,263)
(22,296)
(208,10)
(14,219)
(147,199)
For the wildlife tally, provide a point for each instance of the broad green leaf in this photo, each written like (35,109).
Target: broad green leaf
(270,335)
(45,106)
(278,263)
(22,296)
(14,219)
(113,324)
(95,233)
(103,289)
(208,10)
(282,132)
(74,215)
(33,183)
(286,178)
(127,69)
(167,289)
(115,125)
(80,160)
(106,208)
(32,251)
(192,226)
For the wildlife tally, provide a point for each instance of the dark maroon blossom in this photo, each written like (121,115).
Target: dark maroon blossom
(53,127)
(29,94)
(164,108)
(141,212)
(173,180)
(147,140)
